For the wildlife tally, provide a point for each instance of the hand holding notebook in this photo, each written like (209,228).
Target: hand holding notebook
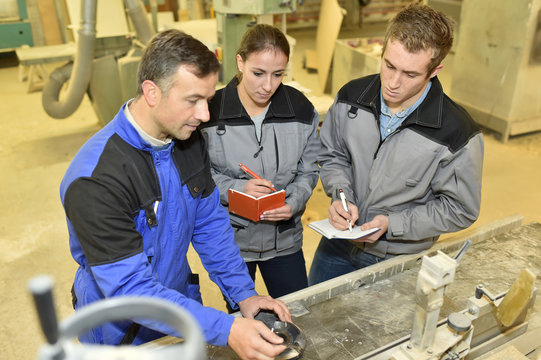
(250,207)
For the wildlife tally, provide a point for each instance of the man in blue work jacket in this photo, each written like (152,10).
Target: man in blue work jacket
(140,191)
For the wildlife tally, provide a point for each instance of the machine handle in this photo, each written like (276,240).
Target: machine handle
(462,250)
(41,288)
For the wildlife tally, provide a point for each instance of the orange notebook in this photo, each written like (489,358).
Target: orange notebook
(250,207)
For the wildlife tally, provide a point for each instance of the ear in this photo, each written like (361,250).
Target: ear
(151,92)
(240,63)
(436,70)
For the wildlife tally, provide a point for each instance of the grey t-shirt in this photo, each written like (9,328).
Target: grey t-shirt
(258,122)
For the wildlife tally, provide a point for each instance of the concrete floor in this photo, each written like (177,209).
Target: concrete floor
(35,151)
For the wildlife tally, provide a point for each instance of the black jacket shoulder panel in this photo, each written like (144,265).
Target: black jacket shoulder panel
(442,120)
(225,106)
(457,126)
(130,172)
(123,182)
(193,163)
(362,91)
(302,108)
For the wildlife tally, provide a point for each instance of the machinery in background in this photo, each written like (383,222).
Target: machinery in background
(61,344)
(497,64)
(232,20)
(105,67)
(15,29)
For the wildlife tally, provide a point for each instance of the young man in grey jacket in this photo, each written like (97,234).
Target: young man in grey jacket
(408,159)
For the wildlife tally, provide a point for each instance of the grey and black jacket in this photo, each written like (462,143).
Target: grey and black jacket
(426,176)
(286,155)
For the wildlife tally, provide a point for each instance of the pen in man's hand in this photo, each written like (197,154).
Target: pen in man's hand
(253,174)
(345,205)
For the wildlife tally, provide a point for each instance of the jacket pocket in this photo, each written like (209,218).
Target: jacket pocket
(192,288)
(289,233)
(238,221)
(289,153)
(149,234)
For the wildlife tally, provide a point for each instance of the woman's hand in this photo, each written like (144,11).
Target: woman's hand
(281,213)
(257,187)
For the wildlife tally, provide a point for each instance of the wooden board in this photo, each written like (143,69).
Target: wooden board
(330,21)
(49,21)
(508,353)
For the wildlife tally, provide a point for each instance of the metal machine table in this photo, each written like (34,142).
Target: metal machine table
(348,317)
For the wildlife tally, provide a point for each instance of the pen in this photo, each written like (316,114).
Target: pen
(345,205)
(252,174)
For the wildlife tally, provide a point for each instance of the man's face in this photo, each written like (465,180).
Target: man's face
(404,75)
(181,110)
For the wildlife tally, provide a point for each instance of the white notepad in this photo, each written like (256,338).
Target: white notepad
(325,228)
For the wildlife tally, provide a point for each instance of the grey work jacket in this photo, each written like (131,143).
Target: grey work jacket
(286,155)
(426,176)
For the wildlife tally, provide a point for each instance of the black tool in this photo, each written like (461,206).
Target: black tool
(293,338)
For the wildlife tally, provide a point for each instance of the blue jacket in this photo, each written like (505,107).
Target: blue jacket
(132,211)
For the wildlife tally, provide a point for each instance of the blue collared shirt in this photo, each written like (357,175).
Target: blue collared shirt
(389,122)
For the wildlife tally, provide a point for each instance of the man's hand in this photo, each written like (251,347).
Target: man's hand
(281,213)
(257,187)
(252,339)
(251,306)
(338,216)
(379,221)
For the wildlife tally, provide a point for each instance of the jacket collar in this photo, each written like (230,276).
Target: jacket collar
(231,107)
(128,132)
(428,113)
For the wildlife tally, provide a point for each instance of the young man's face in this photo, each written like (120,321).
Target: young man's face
(182,109)
(404,75)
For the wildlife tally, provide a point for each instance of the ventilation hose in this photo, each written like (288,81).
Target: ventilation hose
(77,72)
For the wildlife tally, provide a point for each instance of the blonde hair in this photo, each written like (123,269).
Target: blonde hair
(419,27)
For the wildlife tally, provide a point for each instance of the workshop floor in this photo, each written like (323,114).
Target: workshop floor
(35,151)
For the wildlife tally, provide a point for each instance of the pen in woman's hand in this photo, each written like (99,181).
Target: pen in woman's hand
(253,174)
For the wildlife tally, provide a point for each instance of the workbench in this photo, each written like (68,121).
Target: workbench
(32,62)
(356,314)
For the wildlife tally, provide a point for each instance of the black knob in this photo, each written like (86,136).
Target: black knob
(41,288)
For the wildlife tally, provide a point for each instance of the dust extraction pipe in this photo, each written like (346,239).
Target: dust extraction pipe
(139,17)
(79,72)
(82,68)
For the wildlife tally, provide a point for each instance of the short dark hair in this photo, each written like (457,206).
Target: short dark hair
(167,51)
(262,37)
(419,27)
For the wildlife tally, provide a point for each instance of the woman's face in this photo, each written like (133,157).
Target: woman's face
(262,73)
